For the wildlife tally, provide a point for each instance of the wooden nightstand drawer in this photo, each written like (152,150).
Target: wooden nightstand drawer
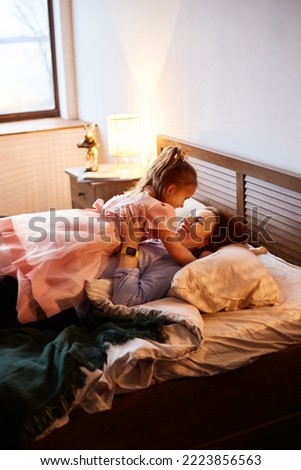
(83,195)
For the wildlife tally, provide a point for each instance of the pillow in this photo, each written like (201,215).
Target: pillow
(230,279)
(98,289)
(190,206)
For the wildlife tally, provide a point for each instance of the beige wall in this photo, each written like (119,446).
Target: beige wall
(223,74)
(32,170)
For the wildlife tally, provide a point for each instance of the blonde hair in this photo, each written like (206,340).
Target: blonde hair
(171,167)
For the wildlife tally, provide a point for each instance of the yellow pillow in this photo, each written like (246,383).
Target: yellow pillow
(233,278)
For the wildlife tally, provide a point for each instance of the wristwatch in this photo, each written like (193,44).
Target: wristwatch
(130,251)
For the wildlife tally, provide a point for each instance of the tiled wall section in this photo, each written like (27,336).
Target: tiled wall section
(32,169)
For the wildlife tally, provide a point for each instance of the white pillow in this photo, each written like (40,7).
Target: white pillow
(230,279)
(190,206)
(99,289)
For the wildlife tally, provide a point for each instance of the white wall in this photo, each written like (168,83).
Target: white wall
(224,74)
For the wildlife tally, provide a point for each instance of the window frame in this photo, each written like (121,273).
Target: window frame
(47,113)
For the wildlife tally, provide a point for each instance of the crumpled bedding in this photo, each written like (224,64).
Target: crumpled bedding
(196,344)
(42,372)
(235,339)
(216,342)
(132,365)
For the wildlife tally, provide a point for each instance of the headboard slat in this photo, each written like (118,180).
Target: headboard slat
(267,200)
(216,183)
(282,208)
(281,190)
(211,199)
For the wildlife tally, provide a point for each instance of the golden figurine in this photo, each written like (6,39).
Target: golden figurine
(92,145)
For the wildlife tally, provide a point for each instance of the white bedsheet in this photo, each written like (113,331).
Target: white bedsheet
(201,345)
(235,339)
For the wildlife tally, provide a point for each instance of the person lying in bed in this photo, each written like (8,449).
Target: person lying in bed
(143,271)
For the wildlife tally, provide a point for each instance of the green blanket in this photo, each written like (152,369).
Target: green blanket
(40,370)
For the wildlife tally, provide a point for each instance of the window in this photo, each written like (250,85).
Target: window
(28,80)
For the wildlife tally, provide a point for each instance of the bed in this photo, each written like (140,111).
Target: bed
(226,380)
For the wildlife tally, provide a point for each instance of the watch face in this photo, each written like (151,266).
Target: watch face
(131,251)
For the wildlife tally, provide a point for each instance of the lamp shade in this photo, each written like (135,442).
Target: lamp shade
(123,135)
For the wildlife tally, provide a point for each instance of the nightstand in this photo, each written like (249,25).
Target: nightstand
(84,194)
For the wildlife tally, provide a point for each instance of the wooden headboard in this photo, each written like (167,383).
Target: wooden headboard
(266,199)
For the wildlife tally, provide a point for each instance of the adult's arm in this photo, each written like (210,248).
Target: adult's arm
(176,250)
(138,286)
(150,280)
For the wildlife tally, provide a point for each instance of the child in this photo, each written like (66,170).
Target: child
(168,183)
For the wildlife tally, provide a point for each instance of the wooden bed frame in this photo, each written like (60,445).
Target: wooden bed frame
(256,406)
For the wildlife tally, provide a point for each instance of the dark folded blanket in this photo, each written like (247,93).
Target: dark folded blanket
(40,370)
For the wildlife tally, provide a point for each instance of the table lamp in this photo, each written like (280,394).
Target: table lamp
(123,136)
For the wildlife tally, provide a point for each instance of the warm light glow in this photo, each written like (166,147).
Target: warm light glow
(123,135)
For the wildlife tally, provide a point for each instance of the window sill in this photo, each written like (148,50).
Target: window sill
(38,125)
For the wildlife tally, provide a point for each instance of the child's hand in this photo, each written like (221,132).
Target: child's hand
(261,250)
(132,220)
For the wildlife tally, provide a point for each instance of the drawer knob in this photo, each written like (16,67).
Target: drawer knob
(81,194)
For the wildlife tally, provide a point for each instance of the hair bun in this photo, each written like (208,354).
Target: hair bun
(180,154)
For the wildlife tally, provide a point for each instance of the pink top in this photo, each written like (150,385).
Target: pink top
(159,215)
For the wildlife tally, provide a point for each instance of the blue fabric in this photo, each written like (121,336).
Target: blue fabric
(40,370)
(149,281)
